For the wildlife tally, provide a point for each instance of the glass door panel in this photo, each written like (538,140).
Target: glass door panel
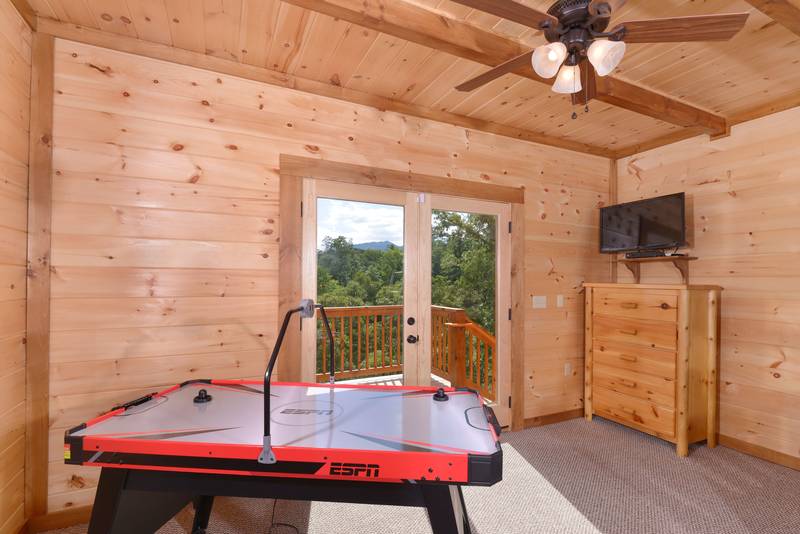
(360,258)
(469,300)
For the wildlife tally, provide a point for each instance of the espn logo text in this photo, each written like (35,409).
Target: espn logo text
(355,470)
(299,411)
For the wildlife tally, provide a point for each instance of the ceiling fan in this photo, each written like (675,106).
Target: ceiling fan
(577,35)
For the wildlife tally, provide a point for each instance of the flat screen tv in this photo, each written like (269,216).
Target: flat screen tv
(650,224)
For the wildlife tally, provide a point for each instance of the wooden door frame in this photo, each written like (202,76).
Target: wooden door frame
(293,169)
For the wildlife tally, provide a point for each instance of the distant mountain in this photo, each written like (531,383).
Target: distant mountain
(375,245)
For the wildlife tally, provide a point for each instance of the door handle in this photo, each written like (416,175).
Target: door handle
(412,338)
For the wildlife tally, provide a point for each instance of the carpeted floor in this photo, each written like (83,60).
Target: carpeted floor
(572,477)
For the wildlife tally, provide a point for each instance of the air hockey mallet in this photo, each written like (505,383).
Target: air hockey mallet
(306,311)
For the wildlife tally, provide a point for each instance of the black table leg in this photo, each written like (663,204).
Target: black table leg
(202,513)
(118,510)
(446,509)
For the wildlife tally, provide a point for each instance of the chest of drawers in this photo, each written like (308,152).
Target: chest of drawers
(651,359)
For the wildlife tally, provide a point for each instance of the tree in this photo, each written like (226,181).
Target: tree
(462,275)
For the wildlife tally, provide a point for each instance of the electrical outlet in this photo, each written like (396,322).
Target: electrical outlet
(567,369)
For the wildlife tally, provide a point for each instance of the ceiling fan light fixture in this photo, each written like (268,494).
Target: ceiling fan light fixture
(547,59)
(606,55)
(569,80)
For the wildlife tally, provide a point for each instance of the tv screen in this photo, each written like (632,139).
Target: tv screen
(651,224)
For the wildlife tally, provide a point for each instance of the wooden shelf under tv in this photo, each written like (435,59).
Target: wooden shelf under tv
(680,262)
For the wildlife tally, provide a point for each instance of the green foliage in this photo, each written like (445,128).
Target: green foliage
(463,264)
(462,276)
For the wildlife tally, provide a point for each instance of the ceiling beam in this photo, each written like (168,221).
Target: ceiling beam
(784,12)
(629,96)
(163,52)
(27,12)
(435,30)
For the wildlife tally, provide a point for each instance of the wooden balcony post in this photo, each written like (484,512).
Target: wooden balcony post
(457,354)
(457,348)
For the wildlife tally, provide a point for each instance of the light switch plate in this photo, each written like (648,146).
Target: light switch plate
(539,302)
(560,301)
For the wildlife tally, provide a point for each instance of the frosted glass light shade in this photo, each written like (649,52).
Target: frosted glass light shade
(568,81)
(547,59)
(606,55)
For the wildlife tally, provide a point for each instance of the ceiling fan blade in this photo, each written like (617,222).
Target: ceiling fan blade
(681,29)
(510,10)
(504,68)
(589,83)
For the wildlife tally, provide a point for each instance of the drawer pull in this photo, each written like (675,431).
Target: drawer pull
(665,306)
(627,358)
(629,332)
(627,383)
(629,305)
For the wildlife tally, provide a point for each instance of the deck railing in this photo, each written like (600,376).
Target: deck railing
(369,343)
(367,340)
(463,352)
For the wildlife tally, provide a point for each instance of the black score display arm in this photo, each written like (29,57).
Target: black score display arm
(306,311)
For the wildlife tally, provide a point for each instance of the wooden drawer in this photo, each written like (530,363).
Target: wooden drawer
(656,334)
(651,388)
(635,412)
(656,305)
(637,359)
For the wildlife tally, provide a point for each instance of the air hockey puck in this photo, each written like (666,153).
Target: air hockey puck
(202,397)
(440,395)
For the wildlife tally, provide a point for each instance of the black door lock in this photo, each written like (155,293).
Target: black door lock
(412,338)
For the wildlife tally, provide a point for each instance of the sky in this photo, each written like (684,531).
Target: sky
(359,221)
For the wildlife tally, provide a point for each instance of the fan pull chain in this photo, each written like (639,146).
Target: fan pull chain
(586,90)
(574,113)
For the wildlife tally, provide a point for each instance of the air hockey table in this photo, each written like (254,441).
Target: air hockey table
(409,446)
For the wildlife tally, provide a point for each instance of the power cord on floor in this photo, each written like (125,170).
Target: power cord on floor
(273,524)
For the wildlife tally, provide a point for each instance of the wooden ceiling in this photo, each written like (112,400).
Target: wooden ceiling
(413,52)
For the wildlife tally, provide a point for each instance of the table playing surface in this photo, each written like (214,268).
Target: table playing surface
(403,433)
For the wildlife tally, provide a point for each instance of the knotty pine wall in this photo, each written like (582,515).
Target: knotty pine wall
(745,192)
(165,226)
(15,67)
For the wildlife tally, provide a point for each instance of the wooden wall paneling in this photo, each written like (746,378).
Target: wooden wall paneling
(329,89)
(613,184)
(742,193)
(39,262)
(15,76)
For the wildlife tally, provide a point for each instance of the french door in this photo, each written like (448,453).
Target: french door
(439,316)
